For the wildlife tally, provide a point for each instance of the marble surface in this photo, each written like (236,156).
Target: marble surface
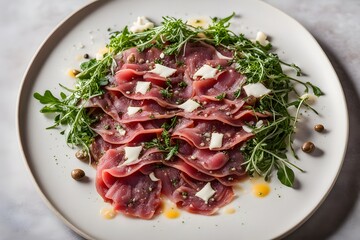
(25,24)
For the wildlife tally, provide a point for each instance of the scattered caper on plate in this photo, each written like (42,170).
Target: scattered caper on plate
(77,174)
(308,147)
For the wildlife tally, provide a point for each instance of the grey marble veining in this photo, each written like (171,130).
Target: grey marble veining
(25,24)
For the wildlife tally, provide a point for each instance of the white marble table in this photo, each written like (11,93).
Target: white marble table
(25,24)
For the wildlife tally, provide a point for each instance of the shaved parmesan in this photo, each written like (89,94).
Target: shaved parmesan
(261,38)
(220,56)
(141,25)
(152,177)
(142,87)
(216,140)
(247,129)
(206,193)
(205,72)
(163,71)
(133,110)
(189,106)
(131,154)
(259,124)
(256,89)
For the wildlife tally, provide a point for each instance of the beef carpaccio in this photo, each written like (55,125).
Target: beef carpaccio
(182,112)
(171,125)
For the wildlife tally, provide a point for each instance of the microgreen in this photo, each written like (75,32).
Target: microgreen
(182,84)
(221,96)
(166,93)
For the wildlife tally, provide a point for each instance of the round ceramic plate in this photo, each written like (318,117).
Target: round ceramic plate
(50,160)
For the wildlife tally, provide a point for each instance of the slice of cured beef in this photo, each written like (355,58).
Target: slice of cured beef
(129,115)
(125,187)
(198,133)
(120,133)
(116,105)
(181,189)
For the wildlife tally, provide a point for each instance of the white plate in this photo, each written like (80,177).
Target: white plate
(78,204)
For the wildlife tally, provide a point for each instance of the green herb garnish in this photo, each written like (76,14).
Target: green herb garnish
(182,84)
(166,93)
(221,96)
(164,142)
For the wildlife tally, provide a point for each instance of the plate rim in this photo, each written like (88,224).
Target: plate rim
(37,57)
(41,55)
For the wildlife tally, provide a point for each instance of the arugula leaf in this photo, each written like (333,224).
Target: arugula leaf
(286,176)
(316,90)
(219,32)
(47,98)
(86,65)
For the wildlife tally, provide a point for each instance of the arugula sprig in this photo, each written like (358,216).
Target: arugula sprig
(267,150)
(69,109)
(173,34)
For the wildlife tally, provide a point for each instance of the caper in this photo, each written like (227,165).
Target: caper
(308,147)
(319,127)
(82,155)
(251,100)
(131,58)
(75,72)
(77,174)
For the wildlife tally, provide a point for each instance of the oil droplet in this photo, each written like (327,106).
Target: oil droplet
(108,213)
(230,210)
(172,213)
(261,189)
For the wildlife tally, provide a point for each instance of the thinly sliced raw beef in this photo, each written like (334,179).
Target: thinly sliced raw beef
(181,189)
(136,195)
(126,188)
(142,107)
(200,131)
(120,133)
